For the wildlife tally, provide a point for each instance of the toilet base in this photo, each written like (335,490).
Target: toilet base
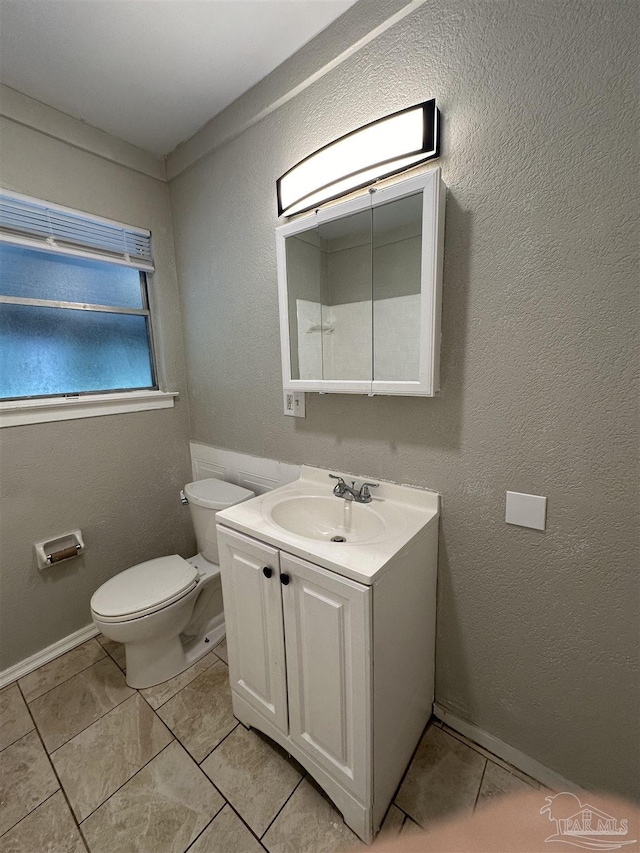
(148,664)
(197,647)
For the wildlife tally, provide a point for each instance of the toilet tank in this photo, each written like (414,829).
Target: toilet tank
(206,497)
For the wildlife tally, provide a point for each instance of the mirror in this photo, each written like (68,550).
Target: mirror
(359,292)
(397,249)
(330,320)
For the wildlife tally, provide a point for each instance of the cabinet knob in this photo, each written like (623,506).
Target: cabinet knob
(284,578)
(267,571)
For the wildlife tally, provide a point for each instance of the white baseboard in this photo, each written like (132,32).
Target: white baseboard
(507,753)
(54,651)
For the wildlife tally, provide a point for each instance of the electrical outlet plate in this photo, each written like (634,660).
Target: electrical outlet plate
(294,403)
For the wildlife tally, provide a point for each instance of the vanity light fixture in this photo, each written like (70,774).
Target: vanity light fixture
(379,149)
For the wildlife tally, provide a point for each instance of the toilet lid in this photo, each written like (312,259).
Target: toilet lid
(216,494)
(147,586)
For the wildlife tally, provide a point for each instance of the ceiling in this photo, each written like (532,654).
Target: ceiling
(152,72)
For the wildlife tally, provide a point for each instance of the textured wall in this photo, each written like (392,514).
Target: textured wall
(116,477)
(536,634)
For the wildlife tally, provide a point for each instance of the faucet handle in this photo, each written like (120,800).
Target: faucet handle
(365,495)
(340,487)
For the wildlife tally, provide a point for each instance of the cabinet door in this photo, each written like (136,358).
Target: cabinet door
(253,617)
(327,629)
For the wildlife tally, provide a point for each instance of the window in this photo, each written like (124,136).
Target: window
(74,307)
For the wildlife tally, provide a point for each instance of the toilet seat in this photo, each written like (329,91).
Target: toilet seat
(144,589)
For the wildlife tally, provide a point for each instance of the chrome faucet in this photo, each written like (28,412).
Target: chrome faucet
(349,493)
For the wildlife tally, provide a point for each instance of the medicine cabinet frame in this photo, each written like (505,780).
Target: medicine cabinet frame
(433,208)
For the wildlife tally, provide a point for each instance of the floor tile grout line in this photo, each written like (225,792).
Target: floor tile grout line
(244,823)
(404,814)
(206,669)
(183,745)
(225,801)
(277,814)
(155,711)
(175,736)
(120,667)
(404,820)
(213,651)
(64,680)
(102,716)
(490,756)
(97,638)
(404,775)
(120,787)
(484,770)
(78,823)
(431,722)
(35,808)
(259,838)
(200,763)
(175,695)
(209,822)
(13,742)
(55,773)
(142,696)
(393,803)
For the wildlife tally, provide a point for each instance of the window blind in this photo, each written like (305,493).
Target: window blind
(28,221)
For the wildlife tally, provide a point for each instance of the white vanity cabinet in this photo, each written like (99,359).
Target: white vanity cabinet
(339,673)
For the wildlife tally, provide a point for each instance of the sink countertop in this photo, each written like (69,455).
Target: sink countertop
(407,510)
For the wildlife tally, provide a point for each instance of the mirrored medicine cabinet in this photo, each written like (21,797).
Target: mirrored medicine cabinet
(359,286)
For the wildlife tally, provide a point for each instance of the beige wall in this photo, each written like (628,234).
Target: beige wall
(117,478)
(536,634)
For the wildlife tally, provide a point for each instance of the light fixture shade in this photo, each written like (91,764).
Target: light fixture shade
(377,150)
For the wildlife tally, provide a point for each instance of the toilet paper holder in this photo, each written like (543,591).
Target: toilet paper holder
(50,552)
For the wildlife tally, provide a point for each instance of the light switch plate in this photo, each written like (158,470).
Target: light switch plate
(294,403)
(526,510)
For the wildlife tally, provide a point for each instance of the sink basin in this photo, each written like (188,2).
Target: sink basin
(358,541)
(328,518)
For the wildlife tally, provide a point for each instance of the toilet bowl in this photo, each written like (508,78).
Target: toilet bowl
(168,611)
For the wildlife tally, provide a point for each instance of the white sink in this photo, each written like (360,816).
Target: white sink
(327,518)
(306,519)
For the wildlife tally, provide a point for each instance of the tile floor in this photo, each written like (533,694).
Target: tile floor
(87,763)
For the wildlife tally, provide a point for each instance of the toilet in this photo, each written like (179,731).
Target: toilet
(168,611)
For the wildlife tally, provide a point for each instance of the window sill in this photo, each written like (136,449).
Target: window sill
(22,412)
